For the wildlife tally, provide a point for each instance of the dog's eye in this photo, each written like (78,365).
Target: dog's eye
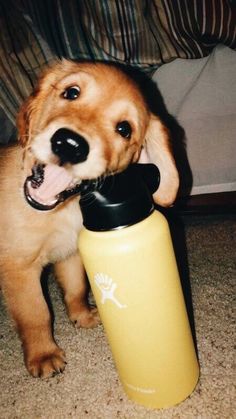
(71,93)
(124,129)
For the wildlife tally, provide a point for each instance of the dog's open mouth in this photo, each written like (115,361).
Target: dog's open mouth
(48,186)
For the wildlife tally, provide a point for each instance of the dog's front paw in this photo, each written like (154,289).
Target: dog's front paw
(46,364)
(88,317)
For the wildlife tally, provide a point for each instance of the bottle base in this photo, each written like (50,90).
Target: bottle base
(147,397)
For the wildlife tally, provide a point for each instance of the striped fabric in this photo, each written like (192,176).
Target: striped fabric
(142,33)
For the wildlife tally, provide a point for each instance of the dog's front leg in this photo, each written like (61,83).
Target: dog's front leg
(23,293)
(71,277)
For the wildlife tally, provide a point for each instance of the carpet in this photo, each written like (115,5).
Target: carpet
(90,388)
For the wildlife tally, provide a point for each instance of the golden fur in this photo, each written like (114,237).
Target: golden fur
(31,239)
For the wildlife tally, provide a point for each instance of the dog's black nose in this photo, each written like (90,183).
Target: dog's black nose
(69,146)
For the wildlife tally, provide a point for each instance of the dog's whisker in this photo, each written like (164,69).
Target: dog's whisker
(27,135)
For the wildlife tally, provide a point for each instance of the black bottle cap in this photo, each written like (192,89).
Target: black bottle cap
(121,200)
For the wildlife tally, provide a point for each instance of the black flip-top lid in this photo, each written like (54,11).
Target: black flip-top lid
(121,200)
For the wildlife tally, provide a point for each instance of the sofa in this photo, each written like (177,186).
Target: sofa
(201,94)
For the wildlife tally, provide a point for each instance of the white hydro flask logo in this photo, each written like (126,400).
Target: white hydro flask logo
(107,287)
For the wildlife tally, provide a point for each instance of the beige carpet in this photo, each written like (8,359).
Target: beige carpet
(89,387)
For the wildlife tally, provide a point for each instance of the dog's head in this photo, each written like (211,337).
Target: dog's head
(83,121)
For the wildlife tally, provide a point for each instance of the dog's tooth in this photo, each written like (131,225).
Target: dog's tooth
(40,169)
(37,176)
(36,183)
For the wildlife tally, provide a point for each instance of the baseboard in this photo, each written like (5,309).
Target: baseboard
(224,202)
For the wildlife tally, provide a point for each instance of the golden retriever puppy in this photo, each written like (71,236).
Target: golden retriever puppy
(83,121)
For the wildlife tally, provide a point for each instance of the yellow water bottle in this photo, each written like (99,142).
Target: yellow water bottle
(128,255)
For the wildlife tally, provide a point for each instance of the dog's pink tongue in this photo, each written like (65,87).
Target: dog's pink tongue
(56,179)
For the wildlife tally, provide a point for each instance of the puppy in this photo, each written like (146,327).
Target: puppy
(83,121)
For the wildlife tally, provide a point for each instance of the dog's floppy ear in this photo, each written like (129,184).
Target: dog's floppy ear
(24,120)
(157,149)
(30,109)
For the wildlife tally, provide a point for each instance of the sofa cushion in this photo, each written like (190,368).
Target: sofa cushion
(201,94)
